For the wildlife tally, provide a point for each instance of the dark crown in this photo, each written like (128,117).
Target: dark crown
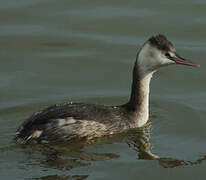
(161,42)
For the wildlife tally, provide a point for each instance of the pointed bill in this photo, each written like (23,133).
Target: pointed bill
(179,60)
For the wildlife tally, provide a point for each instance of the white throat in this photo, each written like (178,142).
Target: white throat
(145,63)
(143,110)
(150,59)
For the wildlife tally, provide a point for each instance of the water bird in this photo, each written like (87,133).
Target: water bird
(68,121)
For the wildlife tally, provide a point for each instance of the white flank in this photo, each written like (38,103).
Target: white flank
(35,134)
(67,121)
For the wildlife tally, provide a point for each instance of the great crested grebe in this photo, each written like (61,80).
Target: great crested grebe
(67,121)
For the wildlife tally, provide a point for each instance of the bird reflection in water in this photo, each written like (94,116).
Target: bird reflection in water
(140,142)
(72,155)
(62,177)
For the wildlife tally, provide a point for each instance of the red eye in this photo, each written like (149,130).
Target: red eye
(167,55)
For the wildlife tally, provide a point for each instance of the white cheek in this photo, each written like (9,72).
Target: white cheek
(164,61)
(150,59)
(144,60)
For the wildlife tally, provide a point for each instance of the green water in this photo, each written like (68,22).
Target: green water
(56,51)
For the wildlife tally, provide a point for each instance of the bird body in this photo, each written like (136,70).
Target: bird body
(67,121)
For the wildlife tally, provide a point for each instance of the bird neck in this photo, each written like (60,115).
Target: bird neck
(139,99)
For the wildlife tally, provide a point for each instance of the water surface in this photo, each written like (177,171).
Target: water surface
(56,51)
